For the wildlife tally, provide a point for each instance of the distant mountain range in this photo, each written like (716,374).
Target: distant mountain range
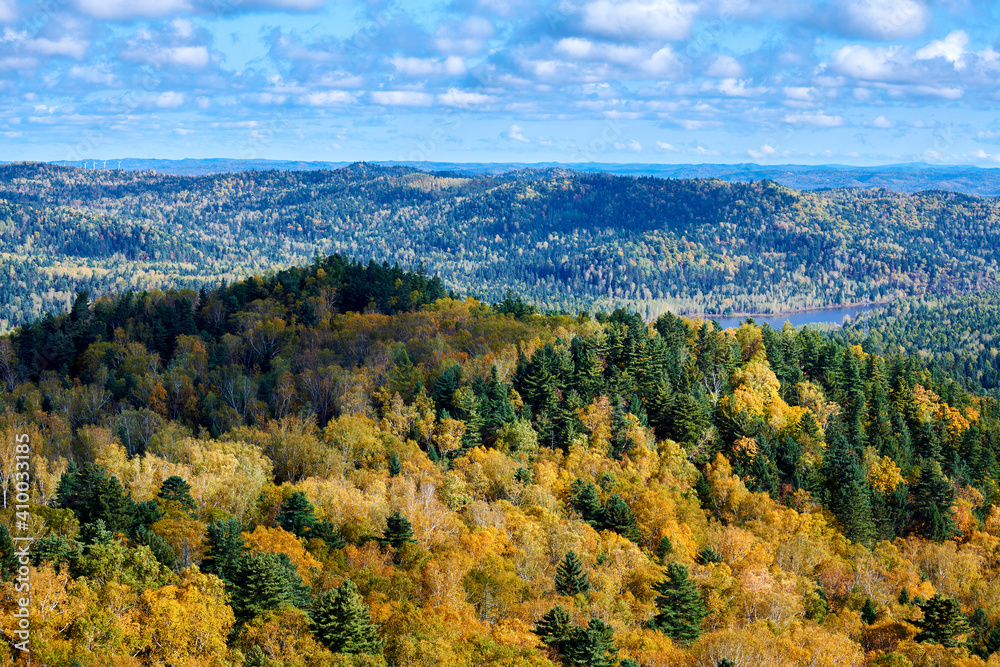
(910,177)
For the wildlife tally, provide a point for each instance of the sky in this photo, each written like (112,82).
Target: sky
(859,82)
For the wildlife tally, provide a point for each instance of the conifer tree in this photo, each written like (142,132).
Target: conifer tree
(850,499)
(664,549)
(904,596)
(554,627)
(933,515)
(341,621)
(175,489)
(868,612)
(8,560)
(395,467)
(587,503)
(942,623)
(619,517)
(92,495)
(224,550)
(570,577)
(398,533)
(592,646)
(296,514)
(680,607)
(264,582)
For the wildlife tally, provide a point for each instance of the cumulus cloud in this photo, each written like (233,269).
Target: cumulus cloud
(421,67)
(882,123)
(951,48)
(631,145)
(463,99)
(814,119)
(322,98)
(630,19)
(516,132)
(401,98)
(664,146)
(169,100)
(862,62)
(725,67)
(886,19)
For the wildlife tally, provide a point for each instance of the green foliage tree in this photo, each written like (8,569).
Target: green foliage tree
(943,622)
(868,612)
(395,467)
(8,560)
(263,582)
(297,514)
(224,549)
(176,490)
(570,577)
(340,621)
(680,609)
(933,496)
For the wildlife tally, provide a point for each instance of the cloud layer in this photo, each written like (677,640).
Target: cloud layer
(852,80)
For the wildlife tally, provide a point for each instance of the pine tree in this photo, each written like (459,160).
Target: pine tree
(296,514)
(664,549)
(554,627)
(592,646)
(175,489)
(943,622)
(92,495)
(680,607)
(904,596)
(341,621)
(8,560)
(619,517)
(868,612)
(933,496)
(570,577)
(850,499)
(264,582)
(585,500)
(395,467)
(224,550)
(398,533)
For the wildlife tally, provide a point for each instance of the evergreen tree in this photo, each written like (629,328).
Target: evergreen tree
(680,607)
(868,612)
(92,495)
(8,560)
(585,500)
(395,467)
(592,646)
(264,582)
(664,549)
(160,548)
(570,577)
(942,623)
(619,517)
(224,549)
(175,489)
(341,621)
(933,496)
(554,627)
(904,596)
(296,514)
(688,417)
(398,533)
(850,499)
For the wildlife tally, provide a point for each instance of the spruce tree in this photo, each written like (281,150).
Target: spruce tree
(175,489)
(943,622)
(395,467)
(224,550)
(264,582)
(868,612)
(570,577)
(619,517)
(592,646)
(585,500)
(296,514)
(904,596)
(92,495)
(680,607)
(554,627)
(8,560)
(398,533)
(340,621)
(850,498)
(933,496)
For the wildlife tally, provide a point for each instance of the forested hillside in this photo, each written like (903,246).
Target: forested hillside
(957,335)
(341,464)
(563,241)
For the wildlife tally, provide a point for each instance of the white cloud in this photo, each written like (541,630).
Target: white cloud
(123,10)
(734,88)
(951,48)
(725,67)
(887,19)
(467,38)
(7,11)
(463,99)
(630,145)
(401,98)
(516,132)
(816,119)
(882,123)
(66,46)
(450,66)
(93,74)
(169,100)
(664,146)
(325,98)
(629,19)
(862,62)
(764,151)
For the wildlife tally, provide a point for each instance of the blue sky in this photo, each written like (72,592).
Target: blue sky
(767,81)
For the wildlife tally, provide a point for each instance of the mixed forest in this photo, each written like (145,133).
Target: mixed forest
(345,464)
(561,240)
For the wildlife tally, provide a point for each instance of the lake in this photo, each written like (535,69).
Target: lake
(823,316)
